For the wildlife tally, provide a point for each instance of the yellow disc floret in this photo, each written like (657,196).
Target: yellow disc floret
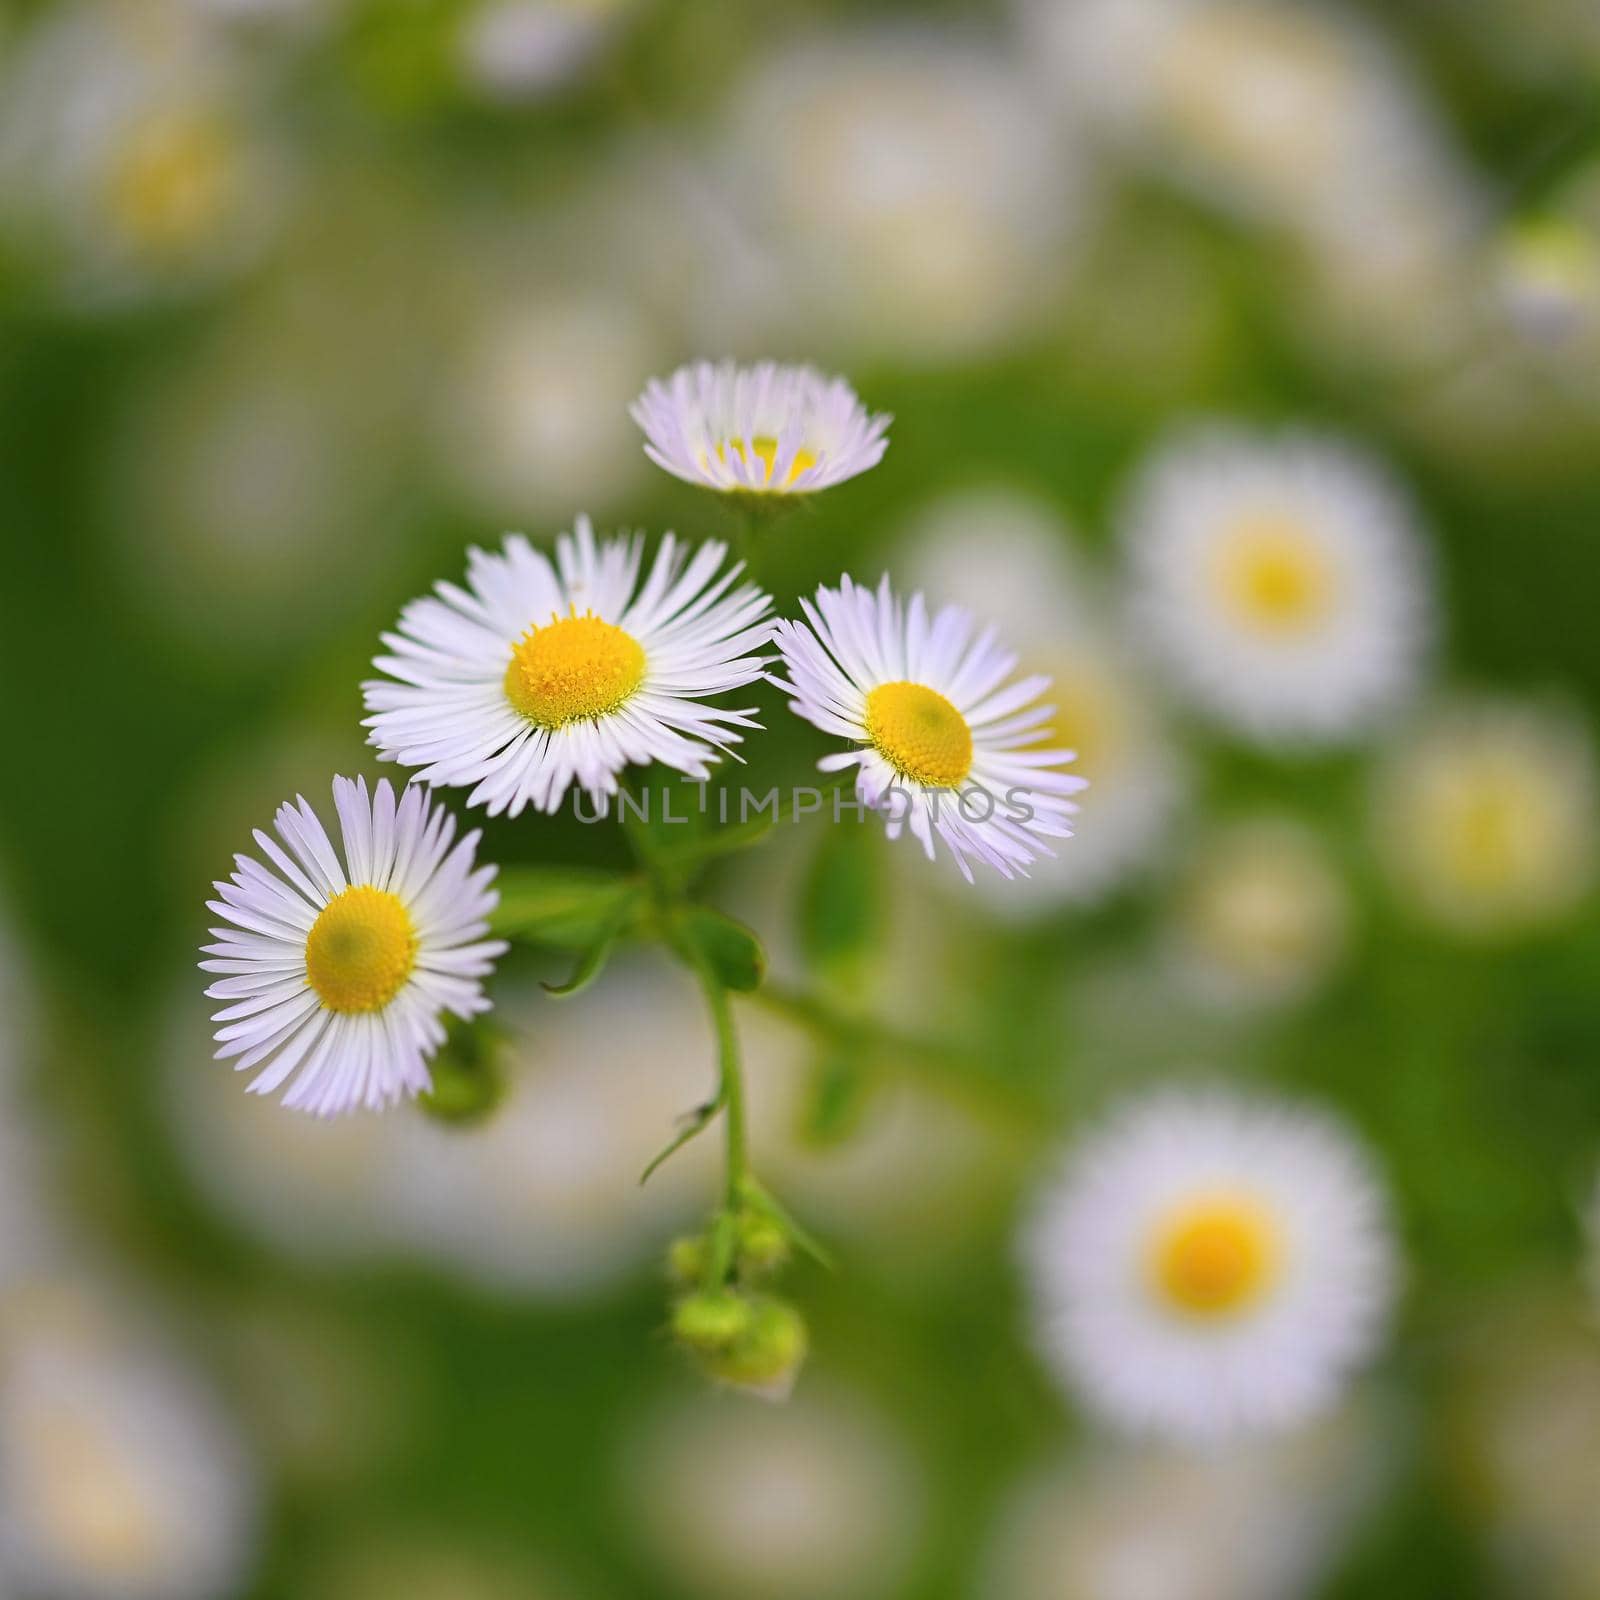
(573,669)
(172,180)
(764,448)
(1273,577)
(360,950)
(920,734)
(1214,1256)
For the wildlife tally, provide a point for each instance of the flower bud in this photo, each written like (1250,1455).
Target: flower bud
(763,1244)
(765,1359)
(711,1322)
(686,1259)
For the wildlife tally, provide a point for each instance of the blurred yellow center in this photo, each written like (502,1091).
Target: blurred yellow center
(764,449)
(1214,1256)
(171,180)
(920,734)
(360,950)
(1272,576)
(1488,835)
(572,670)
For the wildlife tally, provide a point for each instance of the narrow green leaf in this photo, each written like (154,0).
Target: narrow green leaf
(840,915)
(567,907)
(590,965)
(696,1122)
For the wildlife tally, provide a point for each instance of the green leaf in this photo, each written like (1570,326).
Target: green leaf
(836,1096)
(841,904)
(695,1122)
(720,841)
(728,948)
(571,908)
(590,965)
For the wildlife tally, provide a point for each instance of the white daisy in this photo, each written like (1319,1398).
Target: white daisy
(765,429)
(1206,1265)
(1279,579)
(539,676)
(944,742)
(337,972)
(1485,816)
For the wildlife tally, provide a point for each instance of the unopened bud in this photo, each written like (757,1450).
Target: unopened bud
(686,1259)
(766,1358)
(763,1244)
(709,1323)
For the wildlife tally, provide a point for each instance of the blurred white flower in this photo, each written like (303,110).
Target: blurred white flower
(124,1481)
(1257,1520)
(1007,556)
(539,677)
(1280,579)
(419,1563)
(899,182)
(1545,272)
(1260,915)
(339,965)
(542,1202)
(1485,815)
(533,422)
(944,743)
(131,157)
(515,51)
(766,429)
(1292,113)
(818,1499)
(1207,1265)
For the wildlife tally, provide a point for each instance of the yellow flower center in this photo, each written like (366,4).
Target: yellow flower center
(920,734)
(171,181)
(1272,576)
(1213,1256)
(360,950)
(764,449)
(573,669)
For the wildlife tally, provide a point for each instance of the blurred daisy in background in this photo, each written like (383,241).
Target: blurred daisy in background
(1279,579)
(339,965)
(1484,815)
(533,418)
(514,52)
(538,677)
(1264,1519)
(1208,1265)
(1545,274)
(767,429)
(124,1480)
(898,180)
(134,162)
(1260,915)
(1008,556)
(818,1499)
(944,743)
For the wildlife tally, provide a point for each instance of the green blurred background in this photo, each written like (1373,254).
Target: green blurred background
(298,299)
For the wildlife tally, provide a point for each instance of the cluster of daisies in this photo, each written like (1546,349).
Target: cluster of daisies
(537,678)
(1206,1263)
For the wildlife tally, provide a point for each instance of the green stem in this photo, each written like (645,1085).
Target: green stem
(961,1074)
(731,1085)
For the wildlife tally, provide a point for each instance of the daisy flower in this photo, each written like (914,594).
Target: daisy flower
(1484,816)
(944,742)
(337,971)
(1205,1266)
(537,676)
(766,430)
(1279,580)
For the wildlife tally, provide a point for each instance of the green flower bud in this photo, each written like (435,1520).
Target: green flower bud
(767,1356)
(711,1322)
(686,1259)
(763,1244)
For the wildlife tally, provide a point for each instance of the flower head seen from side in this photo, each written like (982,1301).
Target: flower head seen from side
(944,743)
(1207,1266)
(539,675)
(1279,580)
(337,966)
(764,430)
